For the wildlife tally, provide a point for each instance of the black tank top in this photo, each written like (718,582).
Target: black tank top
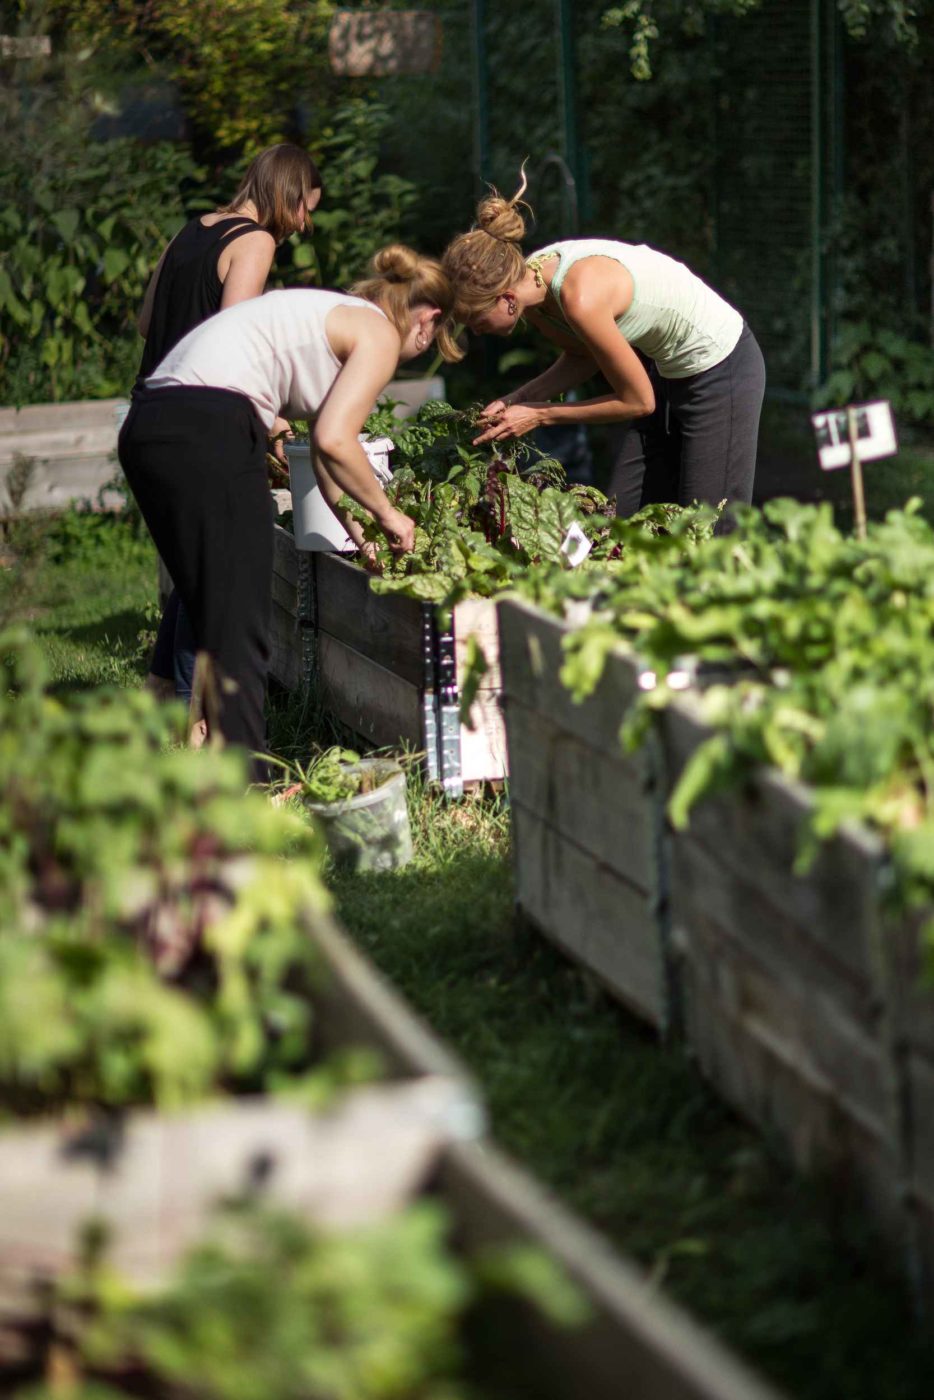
(188,290)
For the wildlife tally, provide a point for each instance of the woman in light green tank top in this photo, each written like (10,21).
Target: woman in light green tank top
(685,375)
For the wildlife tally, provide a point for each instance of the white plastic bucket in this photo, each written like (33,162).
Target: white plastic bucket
(313,522)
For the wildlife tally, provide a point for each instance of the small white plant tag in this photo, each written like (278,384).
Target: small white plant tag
(575,546)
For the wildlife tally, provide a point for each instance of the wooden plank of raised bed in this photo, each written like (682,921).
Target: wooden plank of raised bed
(590,912)
(634,1346)
(790,1057)
(911,1005)
(476,618)
(285,558)
(599,802)
(283,593)
(155,1180)
(531,656)
(375,703)
(755,835)
(483,747)
(386,628)
(483,742)
(285,647)
(788,948)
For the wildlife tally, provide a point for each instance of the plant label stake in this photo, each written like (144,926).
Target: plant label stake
(847,437)
(574,547)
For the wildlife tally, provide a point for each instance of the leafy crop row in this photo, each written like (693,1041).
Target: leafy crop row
(827,645)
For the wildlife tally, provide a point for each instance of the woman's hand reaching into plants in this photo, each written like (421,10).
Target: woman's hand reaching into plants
(511,420)
(280,434)
(399,530)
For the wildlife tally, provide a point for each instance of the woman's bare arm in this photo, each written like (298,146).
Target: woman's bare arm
(592,299)
(368,346)
(244,268)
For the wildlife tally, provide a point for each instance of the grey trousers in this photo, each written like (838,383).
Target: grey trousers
(700,443)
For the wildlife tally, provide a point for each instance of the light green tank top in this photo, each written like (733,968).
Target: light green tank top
(675,318)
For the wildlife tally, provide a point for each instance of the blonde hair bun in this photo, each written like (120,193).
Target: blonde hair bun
(500,218)
(396,263)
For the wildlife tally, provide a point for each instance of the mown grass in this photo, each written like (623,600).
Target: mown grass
(619,1126)
(85,583)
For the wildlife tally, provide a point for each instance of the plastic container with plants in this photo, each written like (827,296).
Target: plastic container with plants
(360,804)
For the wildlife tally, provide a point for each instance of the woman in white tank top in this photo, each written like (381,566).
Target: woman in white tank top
(194,443)
(685,373)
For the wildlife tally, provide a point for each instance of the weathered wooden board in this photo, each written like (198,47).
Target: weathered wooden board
(70,447)
(483,744)
(154,1179)
(600,802)
(285,641)
(531,649)
(757,835)
(285,648)
(374,672)
(284,553)
(383,628)
(636,1345)
(797,1010)
(586,817)
(374,702)
(790,1057)
(782,977)
(910,993)
(590,912)
(476,618)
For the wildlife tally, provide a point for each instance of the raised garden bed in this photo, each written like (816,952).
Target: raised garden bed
(154,1179)
(800,1000)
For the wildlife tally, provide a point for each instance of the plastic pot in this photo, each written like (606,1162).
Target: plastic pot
(314,524)
(369,831)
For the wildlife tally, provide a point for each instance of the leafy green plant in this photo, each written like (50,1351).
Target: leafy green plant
(153,943)
(482,516)
(267,1305)
(220,60)
(328,777)
(81,227)
(365,206)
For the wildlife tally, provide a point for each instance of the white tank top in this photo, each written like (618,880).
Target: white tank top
(273,348)
(675,318)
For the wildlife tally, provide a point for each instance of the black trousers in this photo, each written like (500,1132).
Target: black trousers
(700,444)
(195,461)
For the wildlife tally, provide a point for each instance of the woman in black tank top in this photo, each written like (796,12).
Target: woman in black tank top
(215,261)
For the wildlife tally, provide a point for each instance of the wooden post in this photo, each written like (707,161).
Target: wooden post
(856,471)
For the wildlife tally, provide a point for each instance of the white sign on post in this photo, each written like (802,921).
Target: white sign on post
(875,434)
(848,437)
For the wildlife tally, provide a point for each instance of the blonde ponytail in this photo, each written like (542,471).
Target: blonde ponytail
(400,280)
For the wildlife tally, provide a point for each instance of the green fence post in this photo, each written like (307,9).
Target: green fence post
(481,87)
